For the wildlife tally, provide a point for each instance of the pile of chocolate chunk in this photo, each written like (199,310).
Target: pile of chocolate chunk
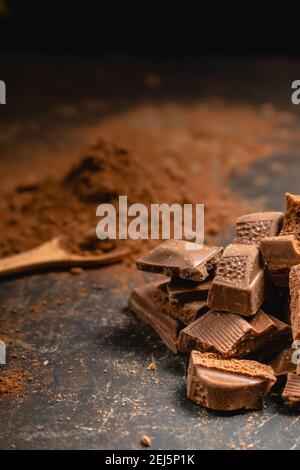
(235,311)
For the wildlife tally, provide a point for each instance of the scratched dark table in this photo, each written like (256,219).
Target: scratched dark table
(87,354)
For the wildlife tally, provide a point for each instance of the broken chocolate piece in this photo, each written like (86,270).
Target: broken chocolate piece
(251,228)
(271,335)
(291,392)
(282,364)
(239,285)
(232,384)
(179,258)
(142,304)
(291,223)
(280,252)
(231,335)
(227,334)
(181,290)
(295,301)
(186,312)
(283,252)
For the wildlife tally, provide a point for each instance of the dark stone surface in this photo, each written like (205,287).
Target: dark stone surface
(72,402)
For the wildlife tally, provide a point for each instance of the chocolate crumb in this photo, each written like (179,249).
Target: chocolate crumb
(146,441)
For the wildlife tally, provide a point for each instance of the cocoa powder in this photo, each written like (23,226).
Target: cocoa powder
(14,382)
(166,154)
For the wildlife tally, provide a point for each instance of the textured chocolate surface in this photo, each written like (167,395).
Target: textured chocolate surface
(291,392)
(251,228)
(227,384)
(295,301)
(186,312)
(142,304)
(239,285)
(223,333)
(231,335)
(182,259)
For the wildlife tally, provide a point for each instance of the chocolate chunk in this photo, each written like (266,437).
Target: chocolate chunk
(295,301)
(182,259)
(142,304)
(251,228)
(291,392)
(271,335)
(231,335)
(239,285)
(223,333)
(282,364)
(280,252)
(283,251)
(186,312)
(291,224)
(232,384)
(181,290)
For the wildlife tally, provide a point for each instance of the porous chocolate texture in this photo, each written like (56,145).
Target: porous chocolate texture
(295,301)
(233,384)
(291,392)
(142,304)
(239,285)
(186,312)
(178,258)
(251,228)
(283,252)
(230,335)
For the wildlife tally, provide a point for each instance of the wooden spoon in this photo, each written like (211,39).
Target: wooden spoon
(52,255)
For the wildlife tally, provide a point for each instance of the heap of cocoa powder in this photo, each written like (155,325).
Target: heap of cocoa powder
(179,154)
(14,381)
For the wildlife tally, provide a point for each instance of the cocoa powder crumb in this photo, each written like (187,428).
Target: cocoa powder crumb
(146,441)
(77,271)
(39,307)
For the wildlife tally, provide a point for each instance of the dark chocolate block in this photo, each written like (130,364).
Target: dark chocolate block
(178,258)
(142,304)
(239,285)
(295,301)
(186,312)
(251,228)
(291,392)
(233,384)
(283,252)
